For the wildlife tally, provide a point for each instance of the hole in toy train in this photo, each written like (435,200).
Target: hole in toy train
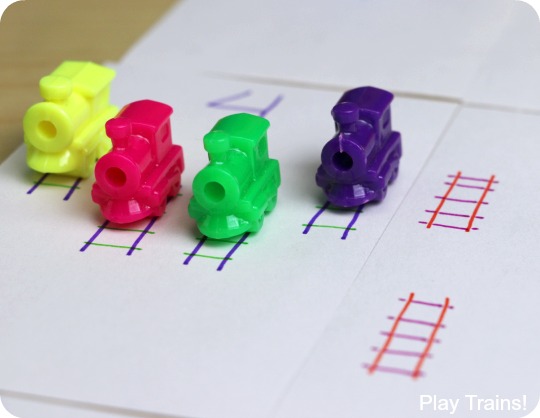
(115,177)
(342,161)
(214,191)
(47,129)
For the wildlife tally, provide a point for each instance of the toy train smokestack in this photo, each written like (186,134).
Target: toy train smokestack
(362,158)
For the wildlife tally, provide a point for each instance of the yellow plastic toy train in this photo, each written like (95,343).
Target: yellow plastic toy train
(65,134)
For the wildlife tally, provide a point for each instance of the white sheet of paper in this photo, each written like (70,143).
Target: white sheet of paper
(30,407)
(416,46)
(489,345)
(147,332)
(508,76)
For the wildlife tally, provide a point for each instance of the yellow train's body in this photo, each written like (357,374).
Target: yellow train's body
(65,134)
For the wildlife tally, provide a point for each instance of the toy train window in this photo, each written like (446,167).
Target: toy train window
(164,132)
(366,119)
(386,119)
(262,147)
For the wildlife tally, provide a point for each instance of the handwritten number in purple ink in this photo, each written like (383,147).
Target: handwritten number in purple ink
(227,103)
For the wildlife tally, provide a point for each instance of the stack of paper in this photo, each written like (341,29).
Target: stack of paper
(421,305)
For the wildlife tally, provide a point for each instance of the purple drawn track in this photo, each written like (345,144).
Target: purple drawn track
(312,220)
(42,179)
(232,251)
(72,189)
(353,221)
(93,237)
(35,186)
(141,235)
(195,250)
(349,227)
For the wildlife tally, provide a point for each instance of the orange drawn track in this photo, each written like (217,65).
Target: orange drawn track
(441,203)
(414,372)
(381,352)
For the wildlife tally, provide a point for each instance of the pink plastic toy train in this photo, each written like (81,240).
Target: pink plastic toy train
(143,169)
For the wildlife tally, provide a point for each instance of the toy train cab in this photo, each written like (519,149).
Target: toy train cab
(66,133)
(239,185)
(363,157)
(134,180)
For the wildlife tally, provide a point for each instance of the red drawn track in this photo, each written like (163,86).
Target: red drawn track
(457,201)
(377,360)
(420,355)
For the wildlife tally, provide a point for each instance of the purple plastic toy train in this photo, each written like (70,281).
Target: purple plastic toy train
(362,158)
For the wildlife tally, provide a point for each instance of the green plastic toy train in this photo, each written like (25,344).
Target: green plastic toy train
(239,185)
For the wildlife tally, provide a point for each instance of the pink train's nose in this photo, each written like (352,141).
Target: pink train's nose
(118,175)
